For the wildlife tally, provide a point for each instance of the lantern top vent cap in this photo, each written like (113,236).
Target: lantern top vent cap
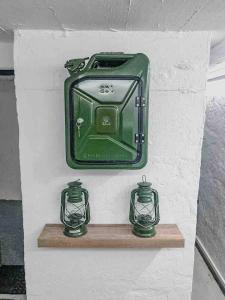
(75,183)
(145,184)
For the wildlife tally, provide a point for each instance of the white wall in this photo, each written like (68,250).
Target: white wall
(177,105)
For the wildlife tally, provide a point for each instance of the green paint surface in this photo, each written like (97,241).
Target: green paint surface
(106,111)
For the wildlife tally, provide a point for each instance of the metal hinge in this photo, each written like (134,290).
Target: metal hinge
(140,101)
(139,138)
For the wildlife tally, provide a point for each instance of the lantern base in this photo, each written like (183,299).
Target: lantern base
(79,231)
(144,232)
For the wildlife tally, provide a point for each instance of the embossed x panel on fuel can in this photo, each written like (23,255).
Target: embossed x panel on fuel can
(106,111)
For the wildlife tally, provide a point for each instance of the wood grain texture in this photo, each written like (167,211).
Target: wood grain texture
(111,236)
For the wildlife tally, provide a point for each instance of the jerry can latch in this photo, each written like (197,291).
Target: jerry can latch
(75,65)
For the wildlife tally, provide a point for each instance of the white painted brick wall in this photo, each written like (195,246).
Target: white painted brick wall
(177,106)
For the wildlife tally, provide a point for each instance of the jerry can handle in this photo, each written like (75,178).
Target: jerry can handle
(108,59)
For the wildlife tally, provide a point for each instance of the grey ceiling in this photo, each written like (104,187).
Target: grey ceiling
(111,15)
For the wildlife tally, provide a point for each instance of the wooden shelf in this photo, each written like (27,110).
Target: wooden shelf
(111,236)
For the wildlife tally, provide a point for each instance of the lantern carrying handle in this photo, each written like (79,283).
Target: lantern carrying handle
(87,208)
(144,178)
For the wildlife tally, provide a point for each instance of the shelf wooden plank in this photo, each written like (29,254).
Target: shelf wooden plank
(111,236)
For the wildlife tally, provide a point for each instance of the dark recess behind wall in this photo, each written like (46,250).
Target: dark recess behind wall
(12,276)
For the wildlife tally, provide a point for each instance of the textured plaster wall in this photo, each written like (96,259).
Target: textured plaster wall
(177,106)
(112,15)
(211,211)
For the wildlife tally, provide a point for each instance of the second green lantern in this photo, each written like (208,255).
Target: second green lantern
(144,209)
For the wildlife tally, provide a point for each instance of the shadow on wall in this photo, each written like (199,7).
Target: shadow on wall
(10,187)
(211,209)
(12,277)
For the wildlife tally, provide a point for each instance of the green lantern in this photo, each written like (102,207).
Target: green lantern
(75,211)
(144,209)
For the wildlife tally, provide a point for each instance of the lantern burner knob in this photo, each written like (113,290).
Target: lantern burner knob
(144,220)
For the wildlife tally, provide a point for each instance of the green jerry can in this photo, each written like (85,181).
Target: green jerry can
(106,111)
